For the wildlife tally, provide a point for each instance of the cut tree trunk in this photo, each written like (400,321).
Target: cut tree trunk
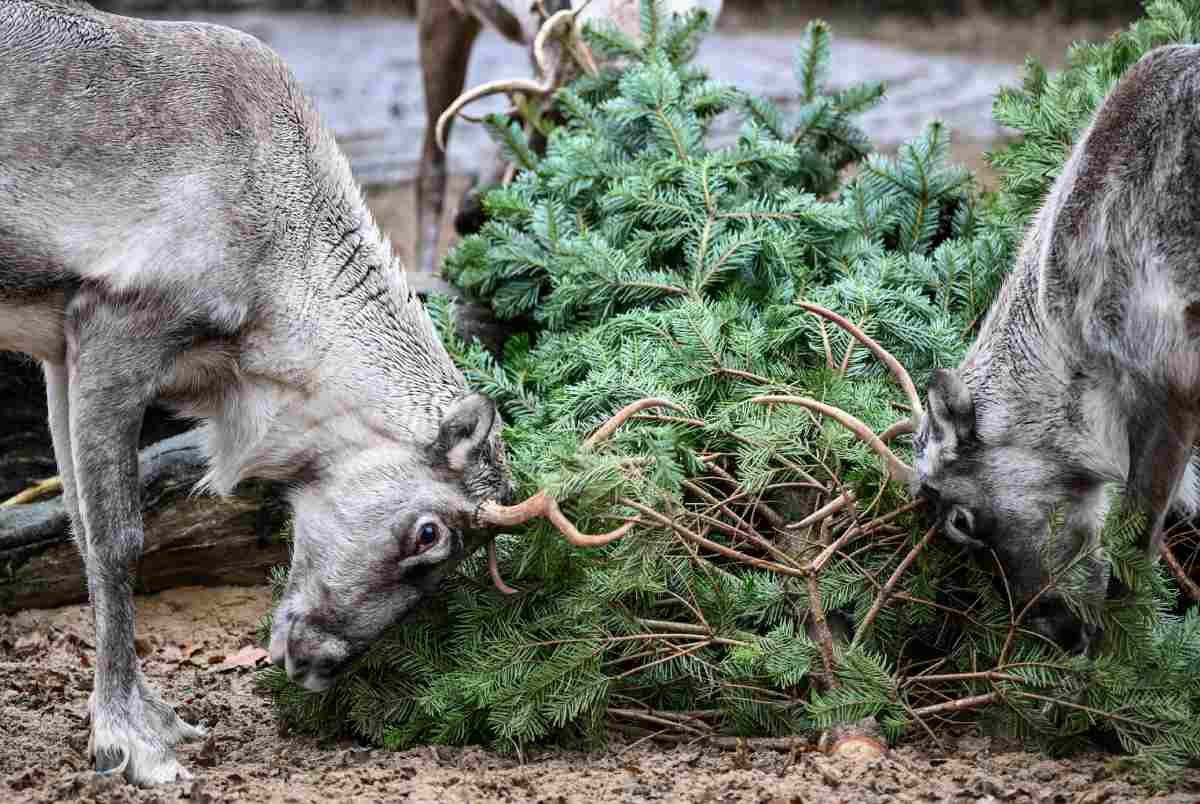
(190,540)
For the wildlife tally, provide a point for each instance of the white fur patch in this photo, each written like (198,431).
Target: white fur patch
(1187,499)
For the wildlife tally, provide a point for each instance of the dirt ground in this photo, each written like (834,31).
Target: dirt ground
(198,648)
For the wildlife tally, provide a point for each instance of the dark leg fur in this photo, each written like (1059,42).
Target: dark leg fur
(446,38)
(1159,451)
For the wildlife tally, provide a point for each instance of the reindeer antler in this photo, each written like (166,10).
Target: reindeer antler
(551,74)
(898,371)
(541,504)
(897,469)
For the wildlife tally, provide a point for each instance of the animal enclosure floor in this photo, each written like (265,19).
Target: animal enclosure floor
(194,645)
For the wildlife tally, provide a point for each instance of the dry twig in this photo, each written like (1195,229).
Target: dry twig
(39,489)
(882,598)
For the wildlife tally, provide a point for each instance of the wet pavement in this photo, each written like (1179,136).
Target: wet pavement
(364,73)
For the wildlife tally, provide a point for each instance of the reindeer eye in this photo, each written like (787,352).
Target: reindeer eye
(427,535)
(961,522)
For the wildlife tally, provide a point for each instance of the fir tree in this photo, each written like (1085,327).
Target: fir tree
(648,263)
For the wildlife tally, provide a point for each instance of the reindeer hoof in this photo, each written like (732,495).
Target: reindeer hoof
(142,747)
(110,761)
(143,760)
(162,719)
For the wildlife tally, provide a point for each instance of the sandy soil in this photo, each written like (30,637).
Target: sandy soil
(193,644)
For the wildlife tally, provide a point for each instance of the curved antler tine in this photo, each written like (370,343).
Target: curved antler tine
(621,416)
(541,505)
(497,515)
(897,469)
(548,71)
(572,534)
(543,35)
(494,571)
(483,91)
(897,429)
(575,45)
(898,371)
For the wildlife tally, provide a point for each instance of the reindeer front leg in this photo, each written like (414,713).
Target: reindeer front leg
(446,36)
(1160,448)
(114,367)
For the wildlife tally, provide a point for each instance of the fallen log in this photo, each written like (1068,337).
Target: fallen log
(190,539)
(26,451)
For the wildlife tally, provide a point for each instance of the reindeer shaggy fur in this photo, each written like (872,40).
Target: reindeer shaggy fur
(177,224)
(1086,371)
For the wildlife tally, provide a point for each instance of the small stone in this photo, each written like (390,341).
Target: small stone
(886,787)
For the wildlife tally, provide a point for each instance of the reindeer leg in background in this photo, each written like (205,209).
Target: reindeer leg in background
(470,217)
(1160,448)
(446,37)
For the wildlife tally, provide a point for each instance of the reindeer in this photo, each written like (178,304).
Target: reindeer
(1085,373)
(177,224)
(550,28)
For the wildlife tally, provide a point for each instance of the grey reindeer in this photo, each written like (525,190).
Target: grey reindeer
(1086,370)
(176,224)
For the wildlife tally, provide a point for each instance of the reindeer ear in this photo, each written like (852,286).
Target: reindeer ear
(464,427)
(951,409)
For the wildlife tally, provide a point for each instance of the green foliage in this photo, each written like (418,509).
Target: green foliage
(1051,110)
(647,263)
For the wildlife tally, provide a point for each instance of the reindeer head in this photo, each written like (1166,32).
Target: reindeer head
(1014,503)
(994,492)
(378,529)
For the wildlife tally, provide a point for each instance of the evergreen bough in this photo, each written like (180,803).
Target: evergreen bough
(645,263)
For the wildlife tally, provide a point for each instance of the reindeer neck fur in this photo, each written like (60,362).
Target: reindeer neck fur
(1034,382)
(348,360)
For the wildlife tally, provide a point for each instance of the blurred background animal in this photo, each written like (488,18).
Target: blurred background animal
(549,28)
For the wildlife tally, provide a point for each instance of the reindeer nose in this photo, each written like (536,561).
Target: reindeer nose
(313,658)
(1062,627)
(315,674)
